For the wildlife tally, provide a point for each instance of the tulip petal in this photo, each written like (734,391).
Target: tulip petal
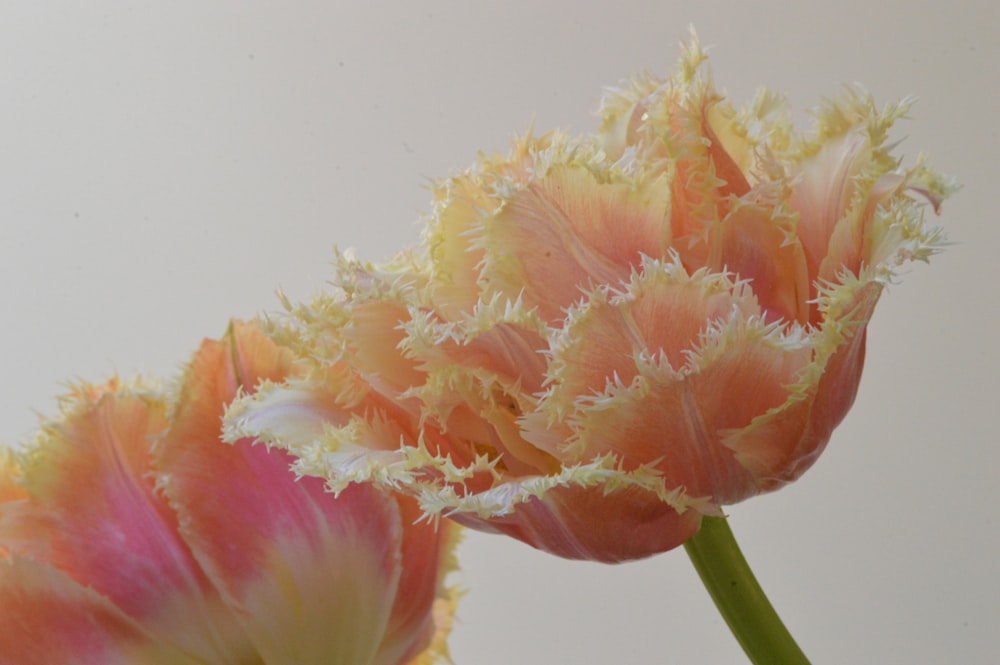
(307,577)
(461,204)
(421,614)
(663,311)
(48,619)
(581,523)
(756,243)
(480,378)
(679,420)
(784,441)
(821,192)
(569,231)
(460,201)
(502,339)
(122,539)
(373,337)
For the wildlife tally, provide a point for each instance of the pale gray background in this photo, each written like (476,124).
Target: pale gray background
(166,165)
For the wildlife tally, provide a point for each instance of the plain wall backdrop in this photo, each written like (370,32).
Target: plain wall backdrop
(164,166)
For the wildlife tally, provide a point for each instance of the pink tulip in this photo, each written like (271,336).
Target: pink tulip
(131,534)
(602,340)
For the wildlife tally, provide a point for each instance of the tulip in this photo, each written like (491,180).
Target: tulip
(604,340)
(129,533)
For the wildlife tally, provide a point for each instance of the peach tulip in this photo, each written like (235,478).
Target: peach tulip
(602,340)
(130,533)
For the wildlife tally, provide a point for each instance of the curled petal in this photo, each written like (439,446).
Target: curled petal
(784,441)
(822,192)
(662,314)
(678,419)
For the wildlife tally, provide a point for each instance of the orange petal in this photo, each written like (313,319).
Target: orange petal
(782,443)
(754,246)
(676,425)
(662,312)
(567,231)
(509,351)
(592,524)
(373,335)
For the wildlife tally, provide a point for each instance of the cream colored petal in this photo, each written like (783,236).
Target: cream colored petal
(821,192)
(10,473)
(461,203)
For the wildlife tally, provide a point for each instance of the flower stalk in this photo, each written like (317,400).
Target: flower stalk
(738,596)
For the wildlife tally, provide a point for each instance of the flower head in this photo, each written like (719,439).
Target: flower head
(129,533)
(603,339)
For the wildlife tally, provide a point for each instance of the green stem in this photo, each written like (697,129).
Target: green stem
(740,600)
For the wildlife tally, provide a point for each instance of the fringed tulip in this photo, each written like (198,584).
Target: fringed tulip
(130,533)
(603,340)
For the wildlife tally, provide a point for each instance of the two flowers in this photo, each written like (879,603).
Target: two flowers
(600,342)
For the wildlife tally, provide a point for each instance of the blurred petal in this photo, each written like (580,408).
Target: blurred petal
(46,618)
(10,471)
(422,613)
(92,512)
(309,581)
